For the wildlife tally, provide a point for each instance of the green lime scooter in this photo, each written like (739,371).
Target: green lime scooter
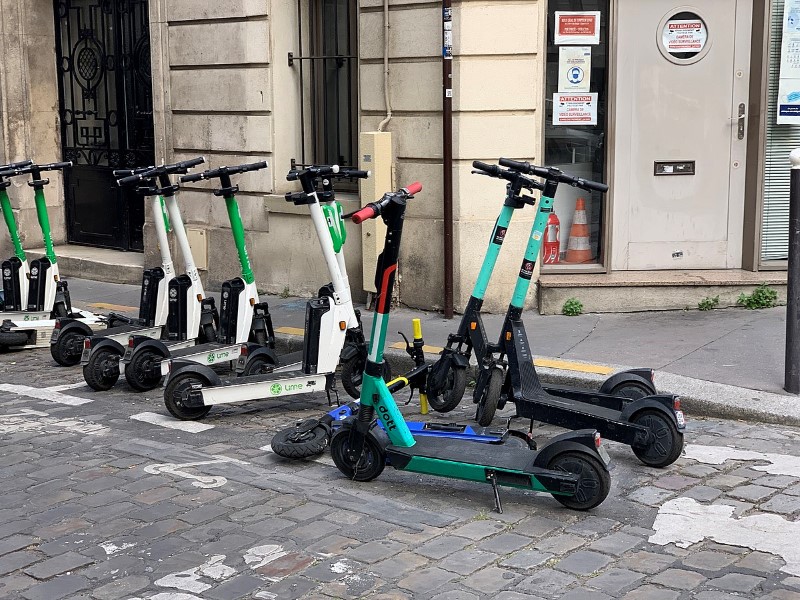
(572,466)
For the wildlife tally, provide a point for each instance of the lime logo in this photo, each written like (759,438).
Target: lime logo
(210,358)
(276,389)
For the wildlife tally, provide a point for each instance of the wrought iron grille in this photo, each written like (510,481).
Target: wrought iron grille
(328,81)
(105,82)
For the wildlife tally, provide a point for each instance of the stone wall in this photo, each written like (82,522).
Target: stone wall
(29,126)
(497,101)
(229,94)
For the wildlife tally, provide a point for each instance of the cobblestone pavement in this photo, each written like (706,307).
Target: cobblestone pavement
(97,504)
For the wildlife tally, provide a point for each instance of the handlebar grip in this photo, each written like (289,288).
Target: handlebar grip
(16,165)
(292,176)
(188,164)
(56,166)
(414,188)
(516,165)
(192,178)
(591,185)
(255,166)
(368,212)
(354,173)
(493,170)
(136,178)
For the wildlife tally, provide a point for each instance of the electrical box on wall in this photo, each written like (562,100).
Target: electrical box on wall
(198,242)
(375,155)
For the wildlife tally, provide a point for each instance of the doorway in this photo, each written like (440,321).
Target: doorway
(106,114)
(680,134)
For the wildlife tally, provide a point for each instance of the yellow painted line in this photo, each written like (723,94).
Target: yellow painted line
(291,330)
(113,307)
(565,365)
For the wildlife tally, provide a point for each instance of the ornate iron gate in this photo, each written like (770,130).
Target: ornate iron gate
(106,110)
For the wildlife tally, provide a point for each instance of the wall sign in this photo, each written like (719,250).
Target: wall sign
(577,27)
(674,167)
(789,85)
(574,68)
(681,36)
(574,109)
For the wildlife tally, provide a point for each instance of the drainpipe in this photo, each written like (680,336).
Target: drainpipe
(386,96)
(447,151)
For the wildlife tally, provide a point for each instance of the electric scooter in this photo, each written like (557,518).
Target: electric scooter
(626,408)
(15,270)
(242,316)
(47,292)
(310,437)
(99,351)
(572,467)
(192,389)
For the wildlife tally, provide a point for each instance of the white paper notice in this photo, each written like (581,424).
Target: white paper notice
(684,36)
(573,27)
(574,68)
(789,86)
(574,109)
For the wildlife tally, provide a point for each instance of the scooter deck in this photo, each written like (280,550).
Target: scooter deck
(25,315)
(462,451)
(574,406)
(121,330)
(200,350)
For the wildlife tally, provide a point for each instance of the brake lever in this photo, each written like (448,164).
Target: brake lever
(482,173)
(409,347)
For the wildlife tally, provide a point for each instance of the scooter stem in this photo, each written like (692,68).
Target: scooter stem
(44,223)
(237,228)
(8,215)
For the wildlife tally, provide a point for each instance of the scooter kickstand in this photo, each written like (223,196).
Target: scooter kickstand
(491,477)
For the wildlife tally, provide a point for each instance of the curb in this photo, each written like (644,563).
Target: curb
(699,398)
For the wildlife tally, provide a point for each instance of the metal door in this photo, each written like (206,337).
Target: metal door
(106,110)
(680,134)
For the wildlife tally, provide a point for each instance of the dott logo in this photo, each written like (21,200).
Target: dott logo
(527,270)
(276,389)
(386,418)
(500,235)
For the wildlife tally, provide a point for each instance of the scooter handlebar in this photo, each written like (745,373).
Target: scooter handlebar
(118,173)
(414,188)
(353,174)
(214,173)
(553,174)
(366,213)
(16,165)
(374,209)
(492,170)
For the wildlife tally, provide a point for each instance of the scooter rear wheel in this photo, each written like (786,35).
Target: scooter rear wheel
(594,482)
(368,466)
(67,349)
(102,371)
(353,374)
(259,365)
(302,441)
(668,443)
(143,372)
(453,392)
(487,403)
(175,393)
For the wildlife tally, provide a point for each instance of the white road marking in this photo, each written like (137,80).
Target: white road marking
(171,423)
(41,422)
(171,596)
(685,521)
(112,548)
(779,464)
(190,579)
(201,481)
(51,394)
(259,556)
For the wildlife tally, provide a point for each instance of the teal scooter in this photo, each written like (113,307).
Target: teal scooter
(572,466)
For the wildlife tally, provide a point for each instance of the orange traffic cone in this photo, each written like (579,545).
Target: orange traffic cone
(578,250)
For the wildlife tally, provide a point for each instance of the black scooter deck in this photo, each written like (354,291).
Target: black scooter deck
(120,330)
(462,451)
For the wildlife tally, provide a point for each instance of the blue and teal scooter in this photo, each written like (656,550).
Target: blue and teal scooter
(572,466)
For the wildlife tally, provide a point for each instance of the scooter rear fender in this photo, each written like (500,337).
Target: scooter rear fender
(582,441)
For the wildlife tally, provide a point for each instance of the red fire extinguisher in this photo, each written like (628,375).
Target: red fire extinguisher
(552,240)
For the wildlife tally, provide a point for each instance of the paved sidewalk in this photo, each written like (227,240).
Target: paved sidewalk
(724,363)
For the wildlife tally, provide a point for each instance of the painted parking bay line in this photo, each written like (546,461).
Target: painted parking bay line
(171,423)
(51,394)
(113,307)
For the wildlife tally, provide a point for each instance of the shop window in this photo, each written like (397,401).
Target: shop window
(576,102)
(328,71)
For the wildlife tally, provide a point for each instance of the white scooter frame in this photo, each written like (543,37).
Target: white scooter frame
(193,389)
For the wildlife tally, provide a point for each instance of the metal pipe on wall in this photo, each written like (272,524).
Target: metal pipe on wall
(447,152)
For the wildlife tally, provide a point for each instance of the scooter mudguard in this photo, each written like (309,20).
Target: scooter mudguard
(350,350)
(254,350)
(98,342)
(138,343)
(643,376)
(437,376)
(67,325)
(180,367)
(663,403)
(581,441)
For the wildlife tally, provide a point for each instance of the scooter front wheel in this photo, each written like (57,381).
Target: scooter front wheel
(353,374)
(67,349)
(453,391)
(594,482)
(143,372)
(10,339)
(367,466)
(666,443)
(306,439)
(102,371)
(175,395)
(487,403)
